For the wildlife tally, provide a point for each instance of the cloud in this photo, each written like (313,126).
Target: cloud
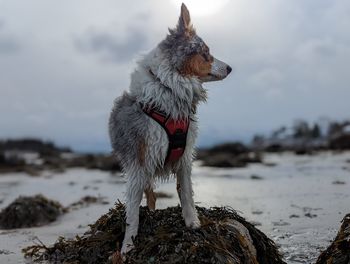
(112,47)
(290,59)
(7,43)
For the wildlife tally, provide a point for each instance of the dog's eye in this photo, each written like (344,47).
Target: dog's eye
(206,56)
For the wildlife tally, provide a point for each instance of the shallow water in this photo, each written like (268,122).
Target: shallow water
(298,201)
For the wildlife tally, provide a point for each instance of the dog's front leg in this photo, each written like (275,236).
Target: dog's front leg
(134,192)
(185,191)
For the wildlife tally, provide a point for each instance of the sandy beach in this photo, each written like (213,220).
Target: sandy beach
(298,201)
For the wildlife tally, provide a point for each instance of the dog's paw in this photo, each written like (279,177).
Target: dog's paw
(193,222)
(126,247)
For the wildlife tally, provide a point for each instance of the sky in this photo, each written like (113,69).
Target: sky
(62,63)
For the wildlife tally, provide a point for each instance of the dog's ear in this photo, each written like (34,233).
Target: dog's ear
(185,18)
(184,25)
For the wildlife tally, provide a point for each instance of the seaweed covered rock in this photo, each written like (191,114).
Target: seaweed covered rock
(29,211)
(104,162)
(224,237)
(86,201)
(339,251)
(341,142)
(228,155)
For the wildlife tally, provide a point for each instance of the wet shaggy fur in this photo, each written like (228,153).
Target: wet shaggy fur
(138,141)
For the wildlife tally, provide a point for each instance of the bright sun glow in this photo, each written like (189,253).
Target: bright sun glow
(202,7)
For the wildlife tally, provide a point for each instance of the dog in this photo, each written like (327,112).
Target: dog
(153,126)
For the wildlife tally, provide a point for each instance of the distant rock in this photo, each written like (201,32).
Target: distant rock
(33,156)
(234,148)
(32,145)
(339,182)
(30,211)
(223,161)
(341,142)
(104,162)
(303,151)
(339,251)
(228,155)
(11,163)
(163,195)
(224,237)
(305,138)
(274,147)
(256,177)
(294,216)
(86,201)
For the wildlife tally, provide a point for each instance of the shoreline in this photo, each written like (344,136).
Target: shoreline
(295,202)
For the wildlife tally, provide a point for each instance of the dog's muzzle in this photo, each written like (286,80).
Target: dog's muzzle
(219,71)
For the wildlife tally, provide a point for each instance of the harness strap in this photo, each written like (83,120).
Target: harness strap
(175,129)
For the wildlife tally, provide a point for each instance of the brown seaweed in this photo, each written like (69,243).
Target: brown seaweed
(339,251)
(30,211)
(224,237)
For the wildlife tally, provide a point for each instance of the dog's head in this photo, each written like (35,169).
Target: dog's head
(189,54)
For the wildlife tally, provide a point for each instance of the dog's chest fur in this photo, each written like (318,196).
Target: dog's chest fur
(156,82)
(136,138)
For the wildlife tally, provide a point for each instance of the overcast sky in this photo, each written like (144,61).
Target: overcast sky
(62,63)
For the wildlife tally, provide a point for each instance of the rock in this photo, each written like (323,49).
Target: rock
(86,201)
(224,237)
(98,162)
(11,163)
(339,182)
(33,156)
(5,252)
(32,145)
(270,164)
(223,161)
(274,148)
(228,155)
(341,142)
(294,216)
(339,251)
(163,195)
(57,163)
(303,151)
(29,211)
(256,177)
(310,215)
(234,148)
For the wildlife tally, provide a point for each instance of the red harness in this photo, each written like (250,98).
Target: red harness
(175,129)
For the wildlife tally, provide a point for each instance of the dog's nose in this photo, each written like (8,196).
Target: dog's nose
(229,69)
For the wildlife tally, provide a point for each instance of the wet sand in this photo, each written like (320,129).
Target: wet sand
(296,200)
